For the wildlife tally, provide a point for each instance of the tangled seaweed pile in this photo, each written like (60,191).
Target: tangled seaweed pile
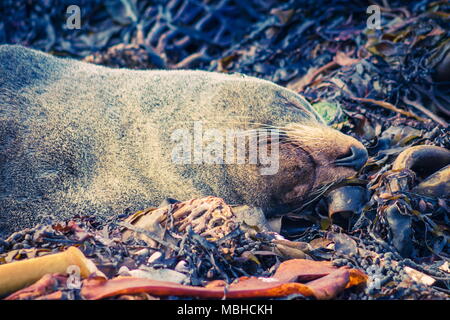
(194,248)
(387,87)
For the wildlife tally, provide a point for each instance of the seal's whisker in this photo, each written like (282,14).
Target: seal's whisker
(317,194)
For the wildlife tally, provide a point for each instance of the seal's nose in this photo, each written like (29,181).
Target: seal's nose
(356,160)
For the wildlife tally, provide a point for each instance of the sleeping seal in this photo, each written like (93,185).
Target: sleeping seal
(77,138)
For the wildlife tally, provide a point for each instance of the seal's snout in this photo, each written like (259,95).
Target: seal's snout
(355,158)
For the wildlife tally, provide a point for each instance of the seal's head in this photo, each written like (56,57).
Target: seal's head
(312,158)
(311,155)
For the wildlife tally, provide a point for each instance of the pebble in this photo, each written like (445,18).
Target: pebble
(154,257)
(182,267)
(340,262)
(210,274)
(372,269)
(388,256)
(124,271)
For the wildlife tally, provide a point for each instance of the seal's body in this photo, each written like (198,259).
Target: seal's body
(77,138)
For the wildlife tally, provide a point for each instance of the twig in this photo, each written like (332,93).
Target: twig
(424,110)
(391,107)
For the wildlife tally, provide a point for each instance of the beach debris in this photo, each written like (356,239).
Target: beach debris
(209,217)
(420,276)
(19,274)
(298,276)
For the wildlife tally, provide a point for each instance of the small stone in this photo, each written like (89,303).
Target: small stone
(210,274)
(371,269)
(339,262)
(388,256)
(182,267)
(154,257)
(124,271)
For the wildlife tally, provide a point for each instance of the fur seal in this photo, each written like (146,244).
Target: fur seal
(77,138)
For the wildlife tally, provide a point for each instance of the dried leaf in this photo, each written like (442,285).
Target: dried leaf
(419,276)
